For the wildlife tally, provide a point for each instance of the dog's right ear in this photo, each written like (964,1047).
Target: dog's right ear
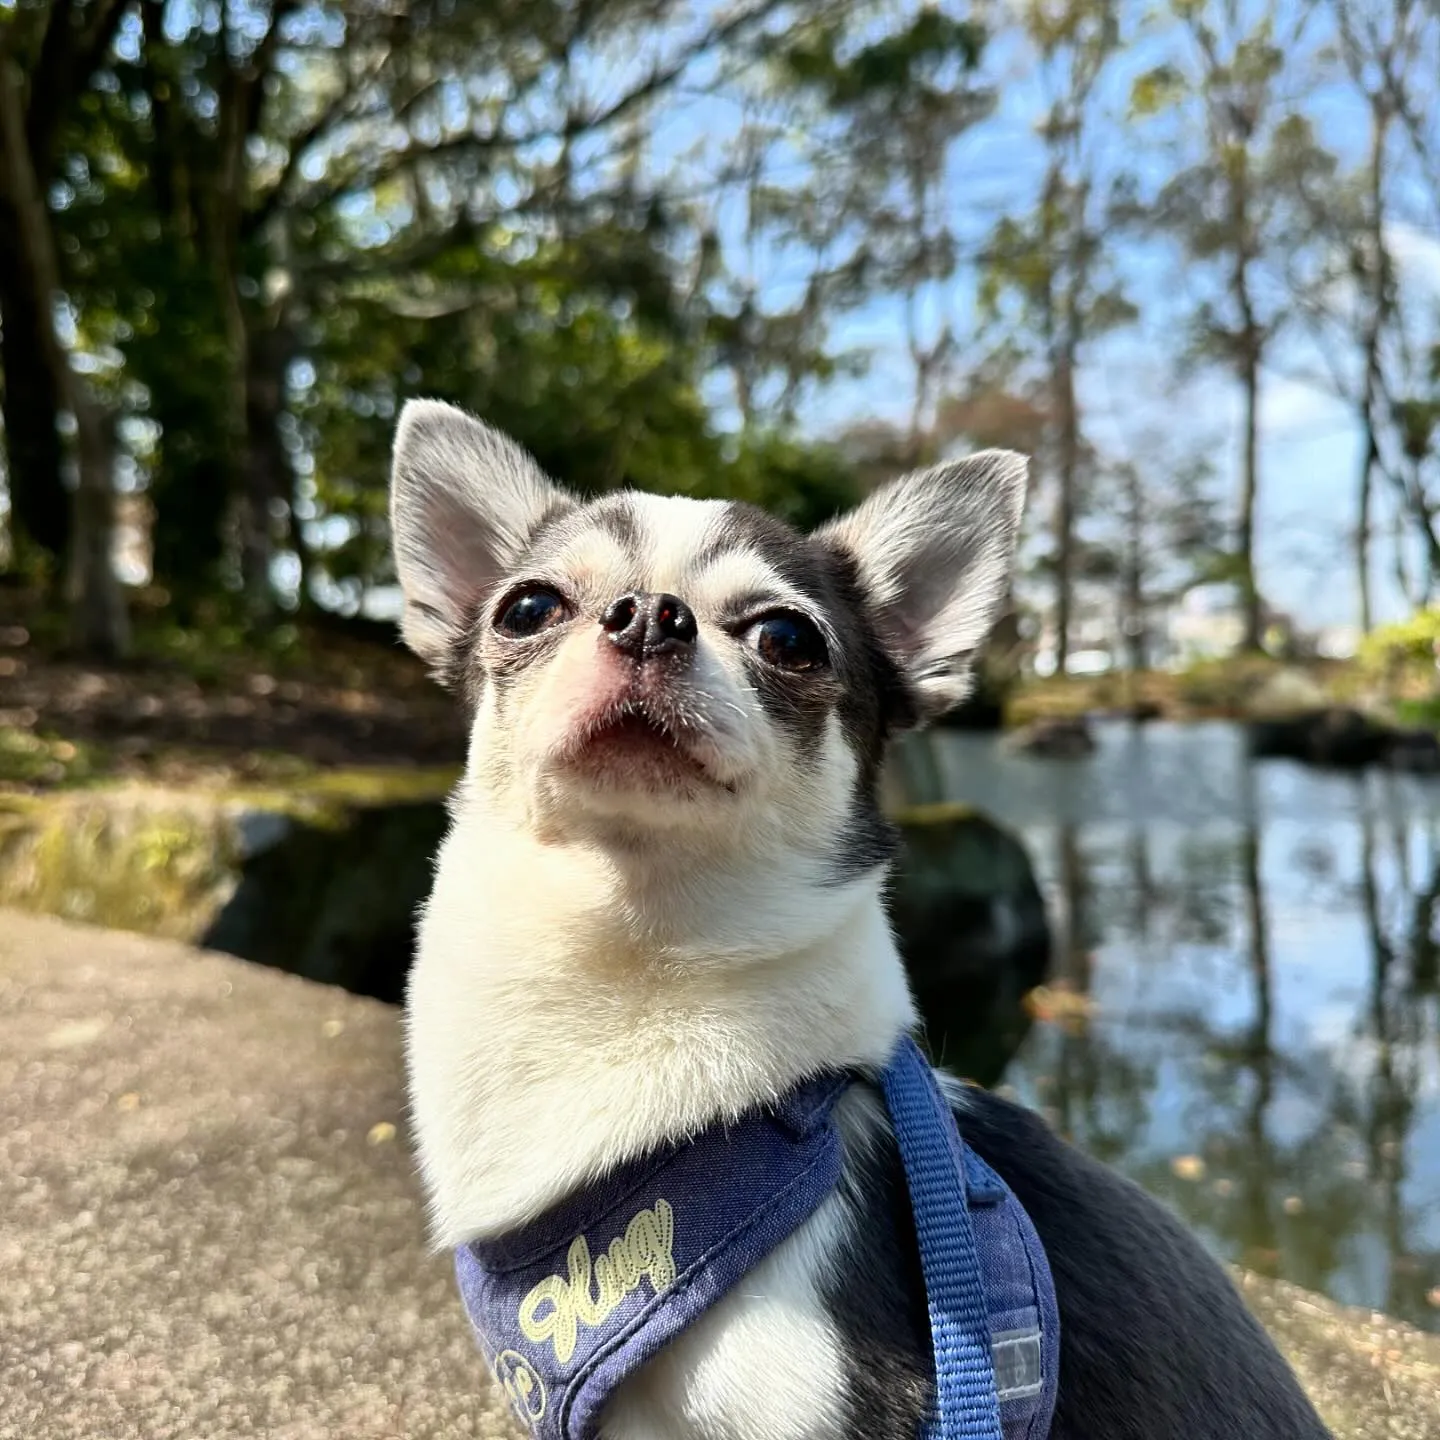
(464,500)
(934,551)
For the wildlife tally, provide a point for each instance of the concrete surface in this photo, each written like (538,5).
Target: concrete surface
(210,1226)
(209,1222)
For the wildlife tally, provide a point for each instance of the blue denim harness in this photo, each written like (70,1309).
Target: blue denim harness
(572,1304)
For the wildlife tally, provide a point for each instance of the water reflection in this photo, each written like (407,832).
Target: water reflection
(1243,1009)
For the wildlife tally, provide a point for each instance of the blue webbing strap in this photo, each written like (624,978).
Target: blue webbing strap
(935,1175)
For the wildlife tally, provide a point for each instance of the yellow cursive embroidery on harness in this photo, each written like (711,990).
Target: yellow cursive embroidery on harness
(645,1251)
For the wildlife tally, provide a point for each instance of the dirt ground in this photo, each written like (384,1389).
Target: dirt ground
(184,711)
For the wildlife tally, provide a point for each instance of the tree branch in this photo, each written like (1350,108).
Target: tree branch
(259,64)
(497,142)
(298,146)
(70,52)
(49,88)
(97,37)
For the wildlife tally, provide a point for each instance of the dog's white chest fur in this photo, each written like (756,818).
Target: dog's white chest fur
(533,1071)
(766,1363)
(538,1062)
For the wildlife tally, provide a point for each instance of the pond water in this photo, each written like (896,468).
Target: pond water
(1242,1011)
(1241,1008)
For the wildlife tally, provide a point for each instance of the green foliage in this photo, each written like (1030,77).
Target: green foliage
(889,67)
(568,348)
(1224,687)
(28,758)
(1156,90)
(277,224)
(1422,714)
(1418,418)
(1412,642)
(804,484)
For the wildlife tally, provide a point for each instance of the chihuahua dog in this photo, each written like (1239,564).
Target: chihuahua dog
(661,903)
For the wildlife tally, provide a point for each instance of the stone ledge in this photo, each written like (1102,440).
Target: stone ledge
(212,1227)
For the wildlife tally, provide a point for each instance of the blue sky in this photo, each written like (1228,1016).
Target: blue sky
(1129,389)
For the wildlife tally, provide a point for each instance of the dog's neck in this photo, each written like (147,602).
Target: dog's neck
(572,1007)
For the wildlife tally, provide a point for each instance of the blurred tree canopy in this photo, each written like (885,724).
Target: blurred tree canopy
(266,225)
(652,240)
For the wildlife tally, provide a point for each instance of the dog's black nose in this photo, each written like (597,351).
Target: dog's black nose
(643,625)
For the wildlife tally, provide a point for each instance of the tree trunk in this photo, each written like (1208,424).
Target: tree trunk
(99,621)
(39,505)
(100,624)
(1403,582)
(1375,323)
(300,543)
(246,383)
(1363,521)
(269,478)
(1066,469)
(1250,484)
(1064,329)
(1134,575)
(1427,529)
(264,464)
(1062,405)
(1250,341)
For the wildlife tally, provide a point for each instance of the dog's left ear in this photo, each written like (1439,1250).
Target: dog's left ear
(464,500)
(935,550)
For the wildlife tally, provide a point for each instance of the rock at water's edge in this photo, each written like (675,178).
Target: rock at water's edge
(1062,738)
(1343,739)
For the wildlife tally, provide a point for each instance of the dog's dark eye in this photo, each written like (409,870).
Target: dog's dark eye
(789,642)
(530,612)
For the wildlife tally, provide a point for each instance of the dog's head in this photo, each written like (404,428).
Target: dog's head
(668,673)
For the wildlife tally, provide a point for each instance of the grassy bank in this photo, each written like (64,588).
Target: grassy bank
(1234,689)
(1395,676)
